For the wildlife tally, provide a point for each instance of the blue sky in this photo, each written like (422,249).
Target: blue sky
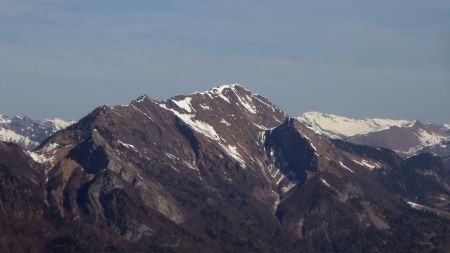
(353,58)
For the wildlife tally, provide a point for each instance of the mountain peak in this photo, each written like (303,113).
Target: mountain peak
(222,87)
(224,167)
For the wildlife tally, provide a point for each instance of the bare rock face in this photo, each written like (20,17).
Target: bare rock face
(227,171)
(29,223)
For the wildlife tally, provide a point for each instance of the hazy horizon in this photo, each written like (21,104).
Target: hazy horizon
(383,59)
(162,99)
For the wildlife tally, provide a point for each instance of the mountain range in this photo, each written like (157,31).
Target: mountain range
(406,138)
(226,171)
(28,132)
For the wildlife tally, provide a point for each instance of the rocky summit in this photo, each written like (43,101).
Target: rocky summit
(218,171)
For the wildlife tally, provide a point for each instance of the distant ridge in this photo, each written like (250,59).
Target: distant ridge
(404,137)
(28,132)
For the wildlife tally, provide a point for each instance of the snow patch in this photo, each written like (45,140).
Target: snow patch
(246,102)
(140,99)
(127,145)
(219,92)
(312,146)
(190,166)
(367,164)
(223,121)
(428,139)
(288,187)
(11,136)
(139,110)
(171,156)
(261,127)
(262,137)
(233,153)
(414,205)
(325,183)
(345,167)
(51,148)
(205,107)
(39,158)
(184,104)
(199,126)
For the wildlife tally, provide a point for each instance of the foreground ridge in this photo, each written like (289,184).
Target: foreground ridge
(218,171)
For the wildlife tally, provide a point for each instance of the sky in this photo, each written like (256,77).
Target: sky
(386,59)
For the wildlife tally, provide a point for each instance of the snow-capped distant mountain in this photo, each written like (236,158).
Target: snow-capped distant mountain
(404,137)
(339,127)
(27,132)
(57,123)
